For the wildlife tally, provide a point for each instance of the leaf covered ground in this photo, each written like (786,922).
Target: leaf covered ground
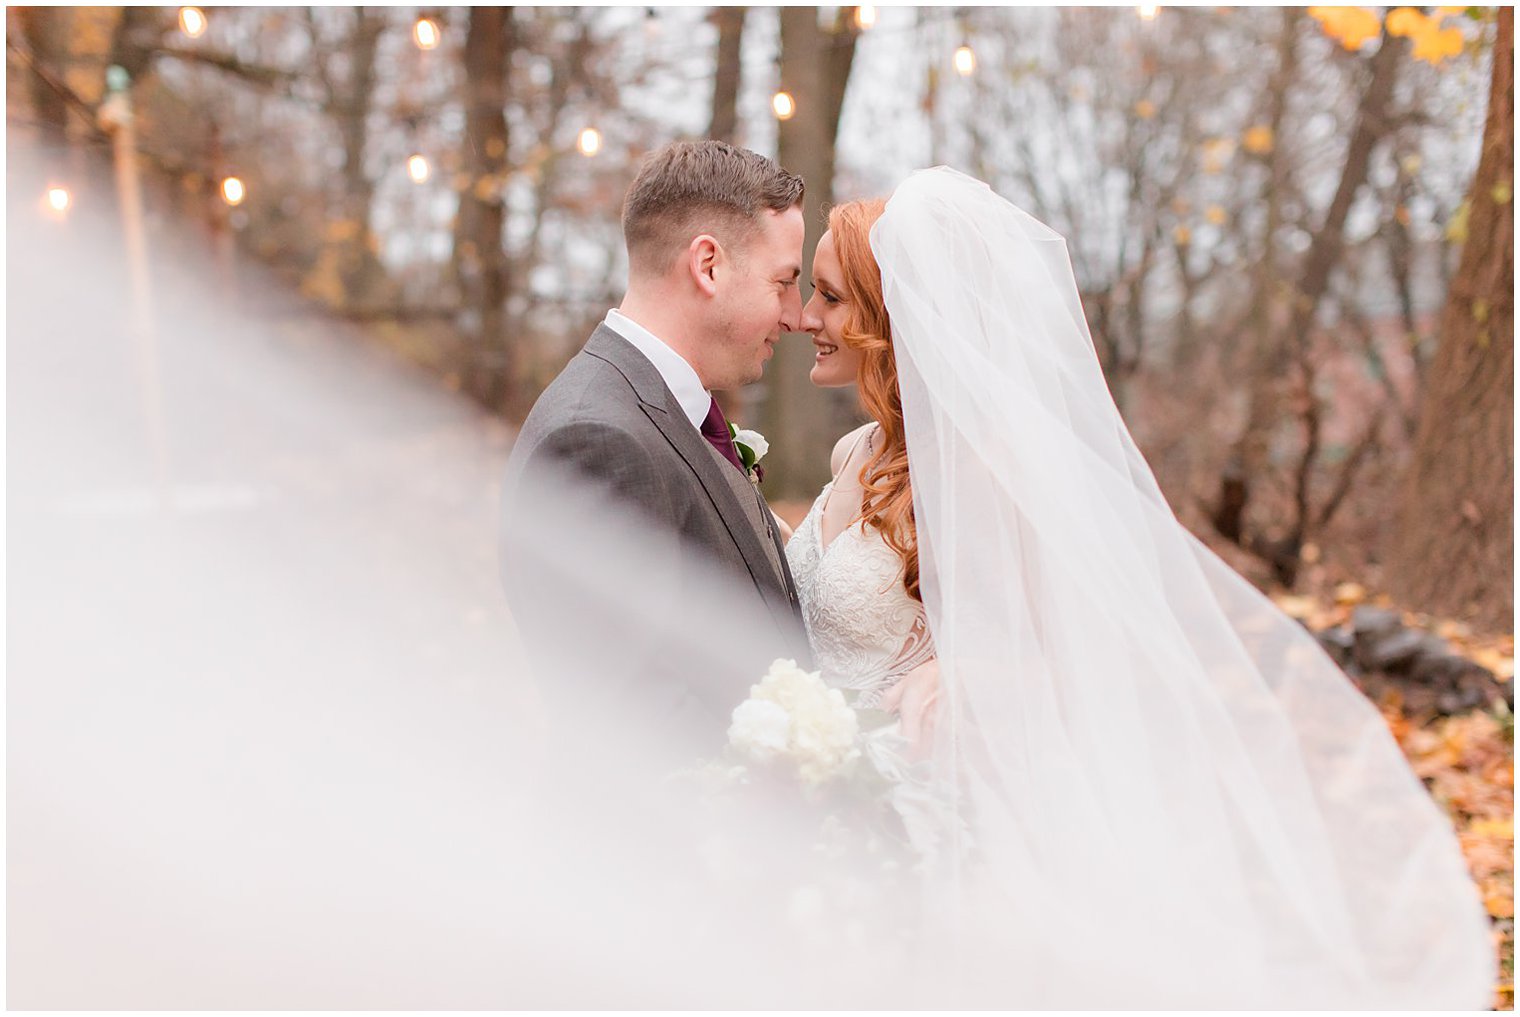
(1467,760)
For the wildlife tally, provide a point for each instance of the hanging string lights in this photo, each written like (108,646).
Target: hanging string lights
(192,21)
(965,61)
(426,34)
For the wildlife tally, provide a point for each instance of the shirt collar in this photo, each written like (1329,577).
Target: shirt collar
(679,376)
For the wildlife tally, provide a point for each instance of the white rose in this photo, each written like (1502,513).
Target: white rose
(760,729)
(755,440)
(821,734)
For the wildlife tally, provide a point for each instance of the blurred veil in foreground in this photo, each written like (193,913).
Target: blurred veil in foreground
(265,752)
(234,784)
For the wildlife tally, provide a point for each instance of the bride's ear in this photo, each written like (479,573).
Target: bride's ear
(702,259)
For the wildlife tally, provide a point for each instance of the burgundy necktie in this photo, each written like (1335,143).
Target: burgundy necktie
(715,430)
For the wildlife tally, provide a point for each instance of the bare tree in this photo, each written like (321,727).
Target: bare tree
(480,259)
(1279,347)
(724,125)
(1453,550)
(815,69)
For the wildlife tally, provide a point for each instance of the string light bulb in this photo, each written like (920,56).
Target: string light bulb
(783,105)
(192,21)
(233,191)
(418,169)
(590,141)
(1148,12)
(425,33)
(59,199)
(865,16)
(965,62)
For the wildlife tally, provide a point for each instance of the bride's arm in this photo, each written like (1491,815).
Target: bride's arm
(786,531)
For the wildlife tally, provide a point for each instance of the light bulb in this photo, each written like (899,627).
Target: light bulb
(783,105)
(425,33)
(589,142)
(418,169)
(192,21)
(965,61)
(233,191)
(59,199)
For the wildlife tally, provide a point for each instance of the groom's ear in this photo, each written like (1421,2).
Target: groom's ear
(703,258)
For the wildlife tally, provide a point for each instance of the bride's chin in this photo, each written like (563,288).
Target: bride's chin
(819,376)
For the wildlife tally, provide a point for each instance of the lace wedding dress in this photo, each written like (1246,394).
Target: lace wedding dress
(866,632)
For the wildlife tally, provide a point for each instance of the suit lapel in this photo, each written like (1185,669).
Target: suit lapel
(660,405)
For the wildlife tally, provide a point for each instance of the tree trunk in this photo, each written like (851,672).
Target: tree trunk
(1452,552)
(360,269)
(725,105)
(802,421)
(480,258)
(1282,343)
(42,31)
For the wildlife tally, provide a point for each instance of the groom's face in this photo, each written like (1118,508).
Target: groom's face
(758,300)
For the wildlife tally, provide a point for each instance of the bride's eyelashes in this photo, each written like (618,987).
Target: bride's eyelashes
(828,298)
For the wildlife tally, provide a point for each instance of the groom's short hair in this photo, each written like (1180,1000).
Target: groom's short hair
(694,187)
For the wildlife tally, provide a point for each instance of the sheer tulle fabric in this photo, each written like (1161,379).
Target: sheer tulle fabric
(1172,795)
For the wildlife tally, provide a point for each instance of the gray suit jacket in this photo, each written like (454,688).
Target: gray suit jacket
(611,421)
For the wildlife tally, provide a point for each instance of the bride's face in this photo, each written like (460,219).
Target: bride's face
(824,317)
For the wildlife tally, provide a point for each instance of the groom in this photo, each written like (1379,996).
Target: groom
(714,236)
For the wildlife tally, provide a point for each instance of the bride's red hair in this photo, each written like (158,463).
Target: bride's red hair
(888,500)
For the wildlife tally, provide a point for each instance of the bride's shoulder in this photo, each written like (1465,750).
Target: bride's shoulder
(844,446)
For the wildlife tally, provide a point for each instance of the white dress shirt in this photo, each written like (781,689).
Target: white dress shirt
(679,376)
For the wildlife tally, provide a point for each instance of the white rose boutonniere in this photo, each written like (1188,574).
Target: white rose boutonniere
(752,447)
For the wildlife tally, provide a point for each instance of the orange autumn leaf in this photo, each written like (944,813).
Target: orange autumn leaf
(1406,22)
(1352,27)
(1258,140)
(1437,45)
(1500,828)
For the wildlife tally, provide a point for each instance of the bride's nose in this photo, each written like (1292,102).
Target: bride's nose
(812,323)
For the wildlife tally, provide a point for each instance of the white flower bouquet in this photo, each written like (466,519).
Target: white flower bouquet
(793,719)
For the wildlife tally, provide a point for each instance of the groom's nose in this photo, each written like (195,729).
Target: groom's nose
(791,310)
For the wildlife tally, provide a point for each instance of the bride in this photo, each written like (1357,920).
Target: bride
(1170,794)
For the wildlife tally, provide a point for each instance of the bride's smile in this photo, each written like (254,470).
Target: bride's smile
(826,318)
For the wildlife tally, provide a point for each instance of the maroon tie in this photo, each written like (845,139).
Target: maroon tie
(715,430)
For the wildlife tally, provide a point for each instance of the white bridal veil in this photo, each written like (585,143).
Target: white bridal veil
(1173,796)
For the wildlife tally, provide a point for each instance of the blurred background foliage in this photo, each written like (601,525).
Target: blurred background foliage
(1291,226)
